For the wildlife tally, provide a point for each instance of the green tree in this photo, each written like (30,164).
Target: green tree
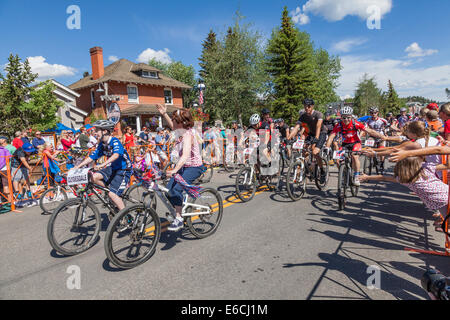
(327,69)
(162,66)
(23,106)
(393,102)
(367,94)
(283,63)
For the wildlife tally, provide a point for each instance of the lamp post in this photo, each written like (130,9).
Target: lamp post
(201,87)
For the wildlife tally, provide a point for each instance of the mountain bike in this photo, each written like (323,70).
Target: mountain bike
(75,224)
(302,167)
(373,164)
(132,236)
(345,178)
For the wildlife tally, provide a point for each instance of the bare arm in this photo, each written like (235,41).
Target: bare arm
(163,111)
(294,132)
(378,178)
(373,133)
(402,154)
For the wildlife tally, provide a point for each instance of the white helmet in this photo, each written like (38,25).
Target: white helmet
(255,119)
(347,111)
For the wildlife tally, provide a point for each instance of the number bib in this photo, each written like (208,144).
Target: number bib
(248,151)
(298,145)
(370,143)
(338,155)
(77,176)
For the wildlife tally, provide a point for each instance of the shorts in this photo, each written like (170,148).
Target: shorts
(321,142)
(19,174)
(356,146)
(116,180)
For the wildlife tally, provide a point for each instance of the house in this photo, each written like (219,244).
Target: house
(70,115)
(136,88)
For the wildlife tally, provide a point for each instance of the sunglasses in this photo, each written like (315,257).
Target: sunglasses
(346,118)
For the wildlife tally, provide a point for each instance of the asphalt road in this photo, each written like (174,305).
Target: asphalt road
(269,248)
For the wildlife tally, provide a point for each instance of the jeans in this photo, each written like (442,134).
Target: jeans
(189,174)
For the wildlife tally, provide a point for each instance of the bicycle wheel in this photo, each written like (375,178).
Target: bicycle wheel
(245,185)
(204,225)
(296,180)
(73,229)
(135,195)
(207,175)
(318,179)
(342,186)
(52,198)
(132,236)
(230,165)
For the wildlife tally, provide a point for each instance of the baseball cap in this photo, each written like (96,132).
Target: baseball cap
(28,147)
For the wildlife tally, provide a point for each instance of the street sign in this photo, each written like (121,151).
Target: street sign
(114,113)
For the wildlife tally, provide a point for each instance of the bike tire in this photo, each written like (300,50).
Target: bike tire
(216,206)
(59,212)
(245,196)
(342,187)
(135,195)
(48,203)
(317,178)
(207,175)
(152,233)
(294,175)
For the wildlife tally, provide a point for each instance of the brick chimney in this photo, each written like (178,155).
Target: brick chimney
(98,69)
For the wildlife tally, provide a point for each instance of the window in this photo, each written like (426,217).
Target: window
(92,98)
(133,94)
(150,74)
(168,96)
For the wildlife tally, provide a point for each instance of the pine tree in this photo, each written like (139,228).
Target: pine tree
(283,63)
(367,95)
(393,102)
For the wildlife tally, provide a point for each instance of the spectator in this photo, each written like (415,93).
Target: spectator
(10,147)
(444,115)
(50,163)
(17,142)
(37,140)
(161,147)
(4,154)
(66,140)
(128,140)
(25,138)
(83,139)
(92,139)
(144,136)
(433,121)
(20,169)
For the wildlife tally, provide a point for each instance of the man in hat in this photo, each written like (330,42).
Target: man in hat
(38,140)
(144,136)
(20,169)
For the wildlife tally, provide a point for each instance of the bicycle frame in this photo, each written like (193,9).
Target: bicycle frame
(84,196)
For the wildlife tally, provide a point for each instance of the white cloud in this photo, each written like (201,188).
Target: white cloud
(160,55)
(46,71)
(408,81)
(414,51)
(336,10)
(299,18)
(347,45)
(113,58)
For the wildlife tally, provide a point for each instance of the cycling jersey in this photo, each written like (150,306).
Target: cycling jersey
(111,147)
(349,132)
(402,120)
(378,124)
(283,131)
(266,124)
(311,121)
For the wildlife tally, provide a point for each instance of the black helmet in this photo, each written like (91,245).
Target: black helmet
(327,114)
(265,111)
(104,125)
(308,102)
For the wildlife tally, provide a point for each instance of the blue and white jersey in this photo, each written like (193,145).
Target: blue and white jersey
(111,147)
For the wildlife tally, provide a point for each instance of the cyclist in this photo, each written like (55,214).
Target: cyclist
(267,122)
(402,118)
(349,129)
(317,132)
(190,164)
(115,173)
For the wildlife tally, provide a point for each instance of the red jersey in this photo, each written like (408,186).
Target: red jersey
(349,132)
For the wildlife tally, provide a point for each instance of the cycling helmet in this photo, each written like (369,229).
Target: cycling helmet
(402,110)
(308,102)
(347,111)
(374,110)
(433,106)
(390,114)
(265,111)
(104,125)
(255,119)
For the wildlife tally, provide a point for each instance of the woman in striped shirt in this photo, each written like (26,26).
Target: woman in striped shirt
(189,165)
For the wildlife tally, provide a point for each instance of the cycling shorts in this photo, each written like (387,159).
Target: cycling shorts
(357,146)
(321,142)
(116,180)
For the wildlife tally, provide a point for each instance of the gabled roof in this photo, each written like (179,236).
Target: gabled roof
(124,70)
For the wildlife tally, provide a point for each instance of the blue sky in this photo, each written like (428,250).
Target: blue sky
(411,48)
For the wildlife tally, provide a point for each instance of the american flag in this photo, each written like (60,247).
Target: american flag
(200,99)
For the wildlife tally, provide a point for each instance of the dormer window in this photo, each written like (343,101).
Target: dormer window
(150,74)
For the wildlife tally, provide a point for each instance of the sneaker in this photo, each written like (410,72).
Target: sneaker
(176,225)
(356,181)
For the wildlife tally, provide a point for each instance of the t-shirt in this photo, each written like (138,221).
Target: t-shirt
(432,142)
(144,136)
(38,142)
(3,154)
(435,125)
(15,160)
(113,146)
(18,143)
(84,140)
(311,121)
(349,132)
(11,148)
(160,140)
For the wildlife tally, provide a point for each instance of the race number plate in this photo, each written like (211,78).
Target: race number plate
(338,155)
(370,143)
(298,145)
(77,176)
(248,151)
